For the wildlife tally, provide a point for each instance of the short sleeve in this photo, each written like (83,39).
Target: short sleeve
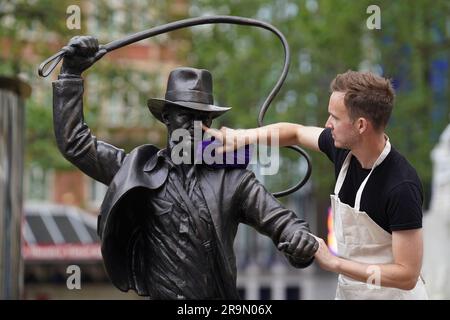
(326,144)
(404,207)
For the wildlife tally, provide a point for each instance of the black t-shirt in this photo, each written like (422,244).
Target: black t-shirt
(393,195)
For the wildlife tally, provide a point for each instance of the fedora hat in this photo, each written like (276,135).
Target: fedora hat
(188,88)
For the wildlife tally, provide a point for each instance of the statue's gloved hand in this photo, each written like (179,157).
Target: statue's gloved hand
(82,52)
(301,247)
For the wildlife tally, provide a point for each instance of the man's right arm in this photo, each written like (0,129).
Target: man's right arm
(281,133)
(290,134)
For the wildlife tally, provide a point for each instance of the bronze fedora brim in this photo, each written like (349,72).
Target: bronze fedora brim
(156,106)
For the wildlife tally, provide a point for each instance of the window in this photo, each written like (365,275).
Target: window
(38,184)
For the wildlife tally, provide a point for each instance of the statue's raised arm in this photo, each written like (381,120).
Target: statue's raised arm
(97,159)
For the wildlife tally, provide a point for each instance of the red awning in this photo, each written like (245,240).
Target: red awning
(57,232)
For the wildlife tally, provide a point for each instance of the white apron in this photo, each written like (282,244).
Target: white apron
(360,239)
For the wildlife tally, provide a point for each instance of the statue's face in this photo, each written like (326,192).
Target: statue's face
(183,118)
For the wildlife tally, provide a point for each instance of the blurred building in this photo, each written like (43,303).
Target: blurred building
(12,114)
(58,242)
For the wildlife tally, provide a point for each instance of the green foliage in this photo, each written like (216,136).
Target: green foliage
(246,64)
(34,30)
(40,140)
(412,39)
(30,23)
(326,38)
(28,28)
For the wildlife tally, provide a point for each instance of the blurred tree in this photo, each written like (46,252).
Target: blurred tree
(326,38)
(414,50)
(29,29)
(247,62)
(32,30)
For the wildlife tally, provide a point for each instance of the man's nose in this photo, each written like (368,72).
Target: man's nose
(328,123)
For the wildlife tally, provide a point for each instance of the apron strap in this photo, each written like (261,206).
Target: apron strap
(382,156)
(342,174)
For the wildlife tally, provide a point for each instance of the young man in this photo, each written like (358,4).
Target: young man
(378,196)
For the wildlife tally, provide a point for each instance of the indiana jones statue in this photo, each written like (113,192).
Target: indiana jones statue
(167,229)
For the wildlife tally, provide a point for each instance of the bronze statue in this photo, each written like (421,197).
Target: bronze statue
(168,229)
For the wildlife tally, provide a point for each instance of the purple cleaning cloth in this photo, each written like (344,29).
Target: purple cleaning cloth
(239,158)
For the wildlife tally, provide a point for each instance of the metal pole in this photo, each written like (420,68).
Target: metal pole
(12,125)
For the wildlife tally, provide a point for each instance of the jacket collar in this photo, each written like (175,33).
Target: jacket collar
(161,155)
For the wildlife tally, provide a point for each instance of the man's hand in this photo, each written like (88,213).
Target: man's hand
(231,139)
(301,247)
(83,52)
(325,258)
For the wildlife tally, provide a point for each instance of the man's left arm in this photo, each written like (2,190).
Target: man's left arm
(407,248)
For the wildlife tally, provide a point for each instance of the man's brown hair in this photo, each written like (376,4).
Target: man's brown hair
(366,95)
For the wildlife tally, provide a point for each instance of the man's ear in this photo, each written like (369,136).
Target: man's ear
(362,125)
